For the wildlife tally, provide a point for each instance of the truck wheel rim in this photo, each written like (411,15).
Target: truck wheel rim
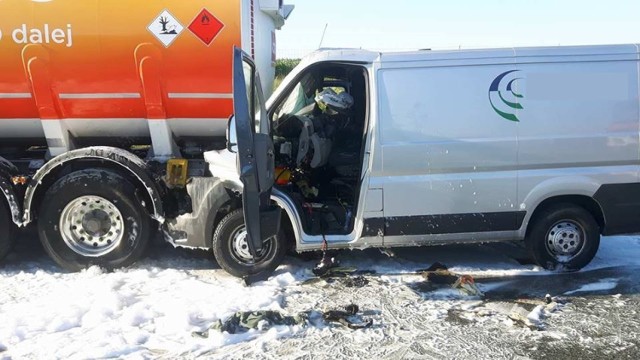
(91,226)
(240,247)
(565,240)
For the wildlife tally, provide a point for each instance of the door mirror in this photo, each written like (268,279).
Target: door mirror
(232,137)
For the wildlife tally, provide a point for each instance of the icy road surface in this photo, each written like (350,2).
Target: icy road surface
(151,309)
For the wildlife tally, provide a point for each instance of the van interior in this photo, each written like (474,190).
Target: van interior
(319,132)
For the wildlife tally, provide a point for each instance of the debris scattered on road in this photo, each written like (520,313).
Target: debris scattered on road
(439,274)
(467,285)
(325,265)
(527,312)
(262,320)
(346,317)
(243,321)
(355,281)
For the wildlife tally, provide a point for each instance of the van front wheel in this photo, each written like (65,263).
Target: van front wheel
(563,237)
(231,250)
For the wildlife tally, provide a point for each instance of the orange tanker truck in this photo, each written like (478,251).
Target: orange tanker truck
(106,110)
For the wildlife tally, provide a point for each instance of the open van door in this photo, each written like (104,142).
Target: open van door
(256,159)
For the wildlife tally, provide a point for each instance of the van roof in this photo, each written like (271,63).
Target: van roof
(365,56)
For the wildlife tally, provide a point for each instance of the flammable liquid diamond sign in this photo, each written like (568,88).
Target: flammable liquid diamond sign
(206,26)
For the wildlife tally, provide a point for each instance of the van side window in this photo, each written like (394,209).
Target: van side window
(249,76)
(252,83)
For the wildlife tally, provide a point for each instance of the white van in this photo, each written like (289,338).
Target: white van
(437,147)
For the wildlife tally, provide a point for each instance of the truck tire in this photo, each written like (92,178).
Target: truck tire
(564,237)
(232,252)
(7,230)
(93,217)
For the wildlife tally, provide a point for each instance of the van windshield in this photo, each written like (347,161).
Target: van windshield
(303,95)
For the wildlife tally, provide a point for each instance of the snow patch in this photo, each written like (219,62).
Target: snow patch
(602,285)
(144,311)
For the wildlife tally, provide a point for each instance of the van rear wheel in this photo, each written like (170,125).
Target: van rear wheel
(93,217)
(563,237)
(231,249)
(7,230)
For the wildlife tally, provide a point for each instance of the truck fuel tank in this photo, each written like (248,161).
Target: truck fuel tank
(107,68)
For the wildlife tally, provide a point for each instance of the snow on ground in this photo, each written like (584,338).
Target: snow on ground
(145,309)
(602,285)
(151,309)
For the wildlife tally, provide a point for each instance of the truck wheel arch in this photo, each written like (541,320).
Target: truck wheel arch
(113,158)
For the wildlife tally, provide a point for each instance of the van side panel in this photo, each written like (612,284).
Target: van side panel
(578,133)
(449,162)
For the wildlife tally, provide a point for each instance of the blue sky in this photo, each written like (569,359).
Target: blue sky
(446,24)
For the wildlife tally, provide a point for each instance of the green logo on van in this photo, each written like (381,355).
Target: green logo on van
(504,100)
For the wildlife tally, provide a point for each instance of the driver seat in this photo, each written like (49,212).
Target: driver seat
(310,140)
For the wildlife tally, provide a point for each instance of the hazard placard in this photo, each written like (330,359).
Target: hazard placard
(166,28)
(206,26)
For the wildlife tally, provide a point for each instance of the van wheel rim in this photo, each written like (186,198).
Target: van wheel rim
(91,226)
(565,240)
(240,247)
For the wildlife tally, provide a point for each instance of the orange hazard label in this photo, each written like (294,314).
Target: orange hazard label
(206,26)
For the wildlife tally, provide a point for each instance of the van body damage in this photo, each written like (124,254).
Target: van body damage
(461,146)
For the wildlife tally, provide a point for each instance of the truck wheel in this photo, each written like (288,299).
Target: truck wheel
(231,250)
(93,217)
(7,230)
(563,237)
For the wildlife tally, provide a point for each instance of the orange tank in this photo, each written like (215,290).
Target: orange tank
(98,68)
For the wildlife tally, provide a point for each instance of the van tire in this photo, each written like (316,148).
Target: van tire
(232,255)
(105,223)
(7,230)
(563,237)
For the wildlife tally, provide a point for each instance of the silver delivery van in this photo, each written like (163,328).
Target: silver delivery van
(360,149)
